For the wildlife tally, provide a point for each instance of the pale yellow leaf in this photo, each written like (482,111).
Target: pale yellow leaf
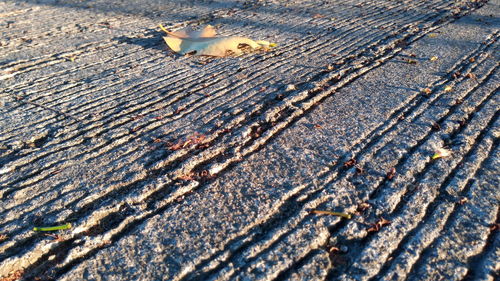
(216,46)
(204,42)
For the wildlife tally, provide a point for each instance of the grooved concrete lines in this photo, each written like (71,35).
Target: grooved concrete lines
(176,167)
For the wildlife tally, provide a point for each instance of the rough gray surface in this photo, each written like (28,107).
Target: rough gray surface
(92,101)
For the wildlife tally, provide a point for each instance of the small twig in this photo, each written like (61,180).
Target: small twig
(344,215)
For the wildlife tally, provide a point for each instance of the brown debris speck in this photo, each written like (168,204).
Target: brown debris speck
(462,200)
(495,227)
(359,170)
(350,163)
(378,225)
(391,173)
(471,75)
(187,177)
(179,110)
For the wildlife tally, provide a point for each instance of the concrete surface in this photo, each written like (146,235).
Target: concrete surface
(92,105)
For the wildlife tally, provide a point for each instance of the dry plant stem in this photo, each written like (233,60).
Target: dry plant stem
(338,214)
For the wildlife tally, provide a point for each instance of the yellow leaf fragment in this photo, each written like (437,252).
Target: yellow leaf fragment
(204,42)
(433,58)
(432,35)
(448,89)
(440,153)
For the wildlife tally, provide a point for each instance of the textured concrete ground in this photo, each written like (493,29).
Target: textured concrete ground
(189,168)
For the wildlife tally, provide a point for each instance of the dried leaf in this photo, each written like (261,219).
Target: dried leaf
(204,42)
(433,58)
(448,89)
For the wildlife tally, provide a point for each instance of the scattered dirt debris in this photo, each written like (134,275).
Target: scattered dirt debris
(197,176)
(195,139)
(16,275)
